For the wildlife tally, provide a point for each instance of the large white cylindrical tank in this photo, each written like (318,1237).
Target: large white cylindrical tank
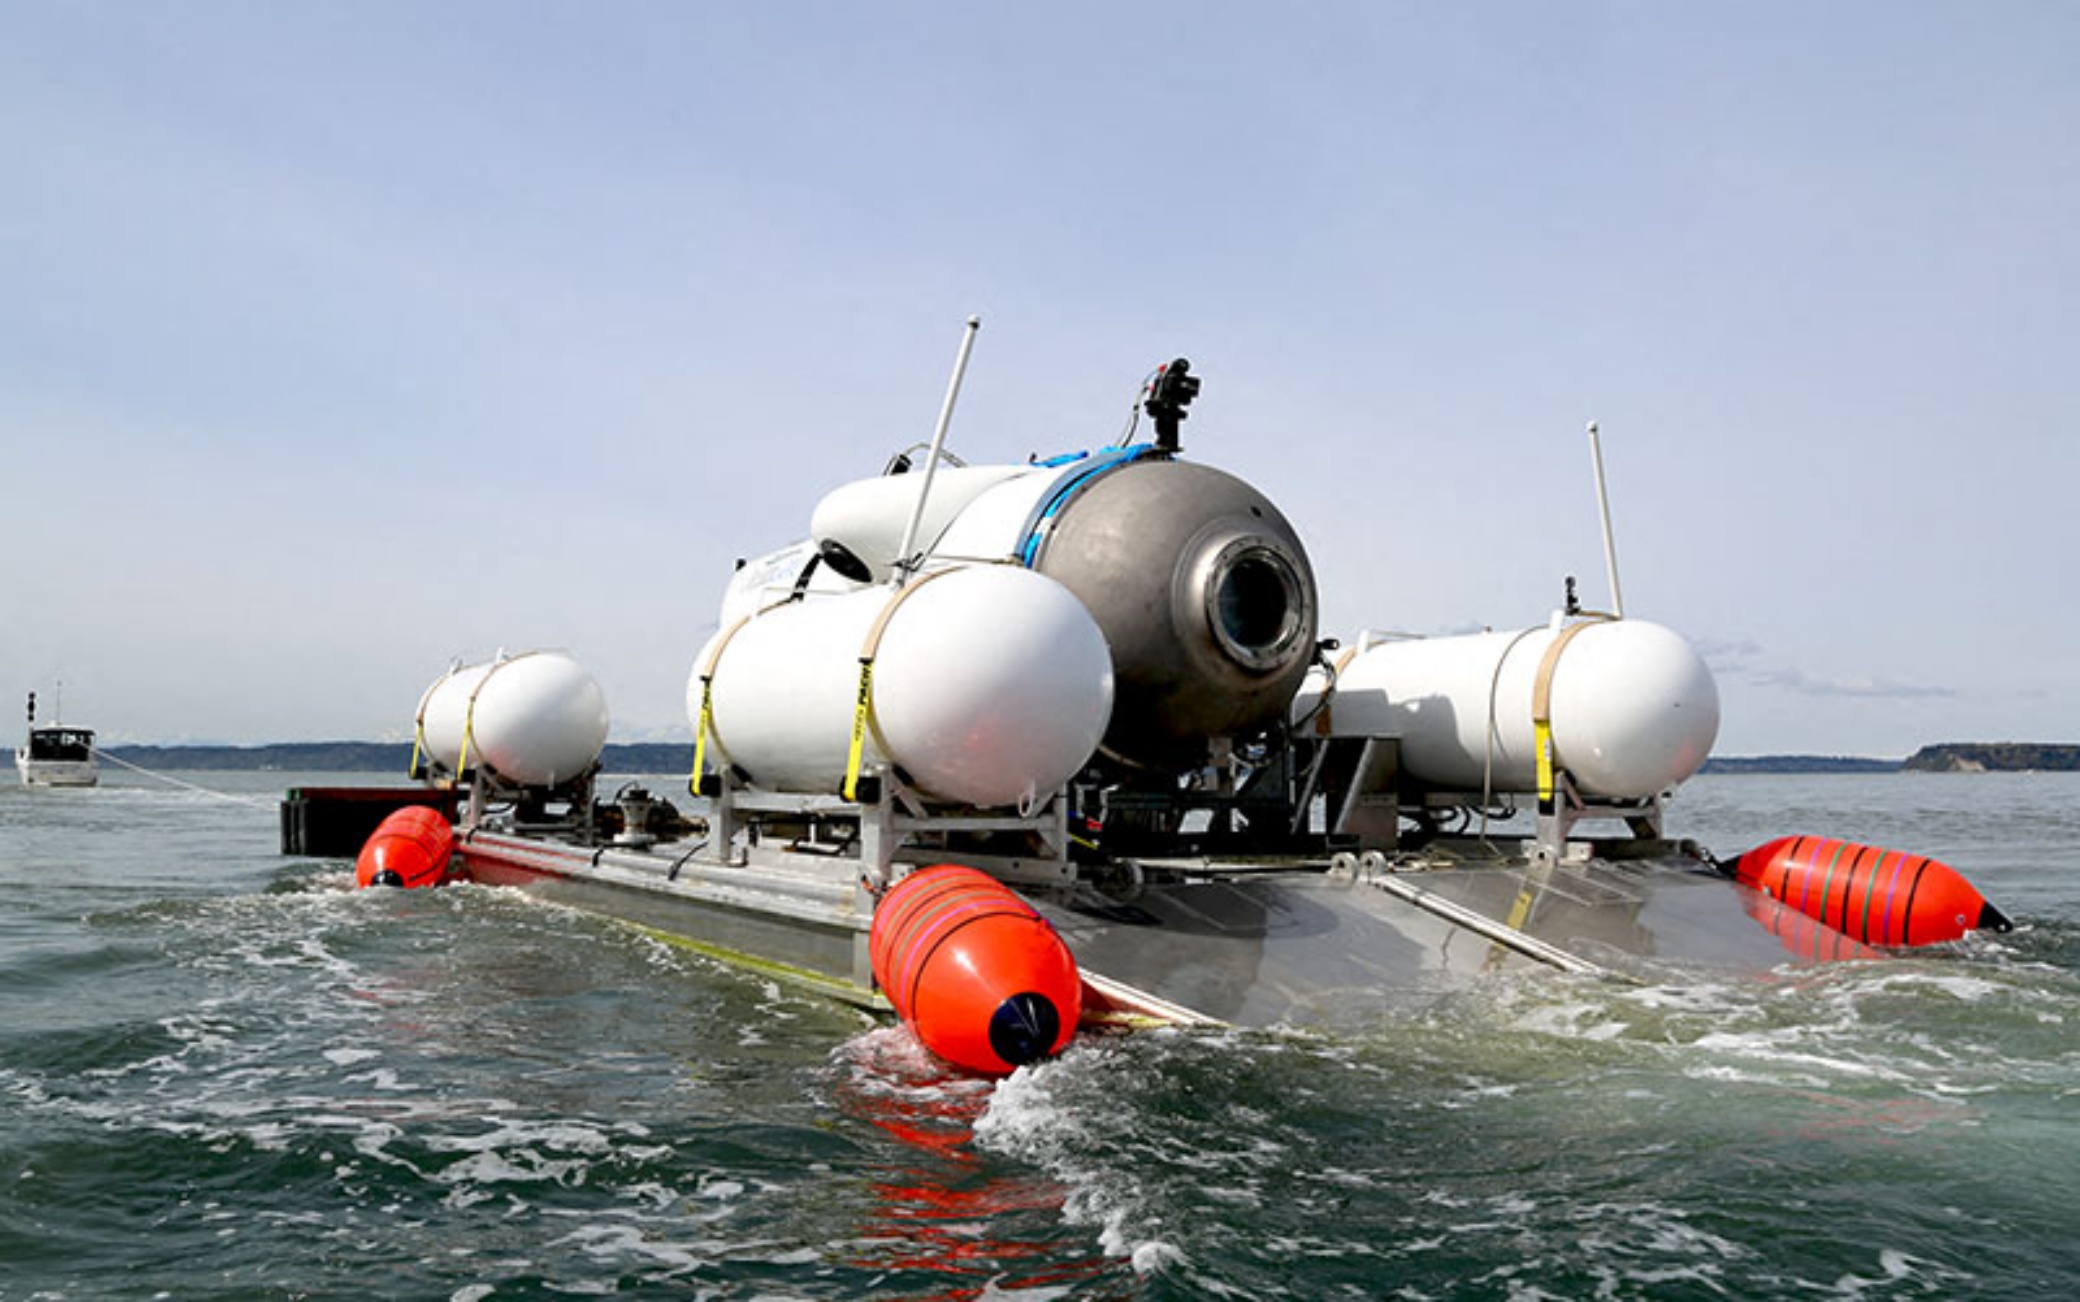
(536,719)
(991,687)
(1633,708)
(868,517)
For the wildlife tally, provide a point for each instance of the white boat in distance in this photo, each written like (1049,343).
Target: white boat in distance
(55,755)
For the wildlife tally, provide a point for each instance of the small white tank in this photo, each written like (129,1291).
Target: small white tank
(991,687)
(765,580)
(868,516)
(1633,708)
(536,719)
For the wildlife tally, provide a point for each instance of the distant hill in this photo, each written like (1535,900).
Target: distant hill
(368,757)
(321,756)
(1799,764)
(1995,756)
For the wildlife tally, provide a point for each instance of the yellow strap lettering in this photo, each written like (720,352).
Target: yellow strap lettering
(1542,712)
(700,737)
(468,732)
(859,728)
(867,651)
(1542,747)
(707,720)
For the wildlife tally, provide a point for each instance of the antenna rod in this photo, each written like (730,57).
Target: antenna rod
(905,563)
(1603,509)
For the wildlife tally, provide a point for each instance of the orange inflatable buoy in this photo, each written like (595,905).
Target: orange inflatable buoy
(409,848)
(973,970)
(1880,897)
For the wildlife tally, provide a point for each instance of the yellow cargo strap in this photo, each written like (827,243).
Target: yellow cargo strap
(419,732)
(707,719)
(469,716)
(700,736)
(1542,714)
(469,734)
(865,701)
(858,747)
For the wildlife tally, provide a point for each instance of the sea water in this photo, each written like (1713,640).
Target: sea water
(224,1074)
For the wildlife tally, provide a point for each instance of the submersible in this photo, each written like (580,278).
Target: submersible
(1086,700)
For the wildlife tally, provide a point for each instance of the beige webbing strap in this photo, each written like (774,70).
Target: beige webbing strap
(469,733)
(1542,713)
(469,718)
(419,730)
(863,707)
(706,721)
(469,721)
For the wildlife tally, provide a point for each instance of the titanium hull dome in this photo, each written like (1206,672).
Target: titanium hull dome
(1205,595)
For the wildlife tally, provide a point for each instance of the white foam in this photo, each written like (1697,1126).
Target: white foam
(1896,1268)
(612,1242)
(1026,1117)
(992,1292)
(1152,1255)
(560,1134)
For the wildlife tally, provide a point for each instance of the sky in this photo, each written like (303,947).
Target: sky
(343,341)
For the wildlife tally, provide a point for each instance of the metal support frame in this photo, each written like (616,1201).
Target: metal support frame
(1570,808)
(1367,809)
(893,827)
(486,787)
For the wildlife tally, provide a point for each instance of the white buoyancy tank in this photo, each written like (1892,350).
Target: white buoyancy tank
(536,719)
(868,517)
(1632,707)
(767,580)
(991,686)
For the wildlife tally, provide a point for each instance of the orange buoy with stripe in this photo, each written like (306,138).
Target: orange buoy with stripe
(409,848)
(1878,896)
(973,970)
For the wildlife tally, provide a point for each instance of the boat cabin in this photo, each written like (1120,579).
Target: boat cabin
(61,745)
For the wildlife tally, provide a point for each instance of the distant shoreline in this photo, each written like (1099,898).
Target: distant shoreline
(367,757)
(1800,764)
(674,757)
